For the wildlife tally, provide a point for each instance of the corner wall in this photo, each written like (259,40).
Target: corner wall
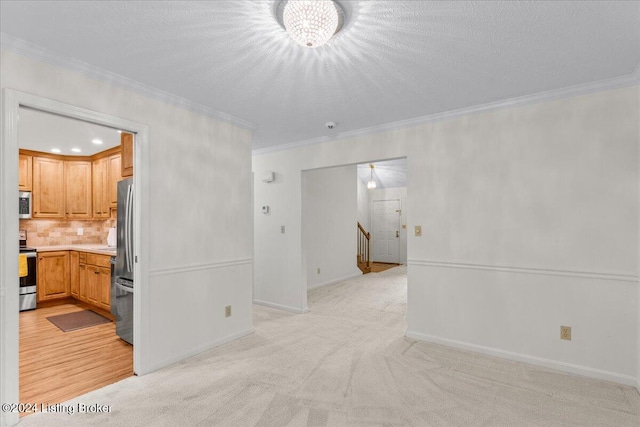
(530,221)
(329,211)
(200,246)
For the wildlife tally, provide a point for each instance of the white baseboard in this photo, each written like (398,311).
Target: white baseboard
(198,350)
(533,360)
(282,307)
(331,282)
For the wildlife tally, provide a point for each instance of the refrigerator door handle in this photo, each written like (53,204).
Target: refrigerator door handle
(124,288)
(127,214)
(131,230)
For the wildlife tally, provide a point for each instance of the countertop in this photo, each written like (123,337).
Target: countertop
(92,248)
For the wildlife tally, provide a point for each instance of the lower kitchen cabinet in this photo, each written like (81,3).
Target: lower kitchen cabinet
(94,280)
(74,274)
(53,275)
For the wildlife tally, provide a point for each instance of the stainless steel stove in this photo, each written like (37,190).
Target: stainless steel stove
(28,284)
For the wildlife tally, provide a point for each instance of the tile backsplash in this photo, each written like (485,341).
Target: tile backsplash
(49,232)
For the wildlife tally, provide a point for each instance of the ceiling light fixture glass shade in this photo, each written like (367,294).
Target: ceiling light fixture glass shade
(371,184)
(311,23)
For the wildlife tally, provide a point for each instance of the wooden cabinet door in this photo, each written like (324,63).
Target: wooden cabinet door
(53,275)
(48,187)
(25,176)
(82,280)
(74,274)
(77,176)
(126,150)
(93,284)
(100,203)
(114,171)
(105,288)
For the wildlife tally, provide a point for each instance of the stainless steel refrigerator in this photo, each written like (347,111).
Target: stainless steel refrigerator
(122,284)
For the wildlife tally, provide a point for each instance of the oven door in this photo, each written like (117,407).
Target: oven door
(28,284)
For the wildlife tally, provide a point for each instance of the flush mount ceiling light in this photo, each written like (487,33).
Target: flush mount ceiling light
(371,184)
(310,23)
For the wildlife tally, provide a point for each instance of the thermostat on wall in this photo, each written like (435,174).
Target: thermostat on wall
(265,209)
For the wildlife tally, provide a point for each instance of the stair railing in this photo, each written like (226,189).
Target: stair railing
(363,245)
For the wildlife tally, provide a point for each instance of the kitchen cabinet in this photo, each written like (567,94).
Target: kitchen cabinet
(78,188)
(48,187)
(94,280)
(25,172)
(74,274)
(126,150)
(114,171)
(53,275)
(100,198)
(93,285)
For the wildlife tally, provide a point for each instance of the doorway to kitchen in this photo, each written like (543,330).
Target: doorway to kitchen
(17,106)
(72,169)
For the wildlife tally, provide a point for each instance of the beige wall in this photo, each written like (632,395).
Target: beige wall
(529,218)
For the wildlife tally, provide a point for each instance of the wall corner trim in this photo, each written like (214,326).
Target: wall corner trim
(532,360)
(288,308)
(331,282)
(39,53)
(626,80)
(198,350)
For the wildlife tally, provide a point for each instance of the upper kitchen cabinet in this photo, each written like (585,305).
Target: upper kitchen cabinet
(25,176)
(113,176)
(126,148)
(100,197)
(48,187)
(77,174)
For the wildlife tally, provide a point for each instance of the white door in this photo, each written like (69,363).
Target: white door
(386,231)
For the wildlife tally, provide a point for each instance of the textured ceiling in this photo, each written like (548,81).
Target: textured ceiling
(394,60)
(40,131)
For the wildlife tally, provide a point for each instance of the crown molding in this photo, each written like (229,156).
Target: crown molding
(39,53)
(550,95)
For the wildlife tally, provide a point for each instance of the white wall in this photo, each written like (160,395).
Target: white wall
(398,193)
(364,205)
(530,221)
(200,222)
(329,212)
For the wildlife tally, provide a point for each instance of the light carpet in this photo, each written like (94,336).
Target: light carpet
(346,363)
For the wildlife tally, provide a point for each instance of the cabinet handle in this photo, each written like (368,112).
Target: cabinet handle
(95,272)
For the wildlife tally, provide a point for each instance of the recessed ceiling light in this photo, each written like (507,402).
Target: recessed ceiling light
(55,150)
(119,131)
(97,141)
(76,150)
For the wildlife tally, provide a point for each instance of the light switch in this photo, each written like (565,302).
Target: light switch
(418,230)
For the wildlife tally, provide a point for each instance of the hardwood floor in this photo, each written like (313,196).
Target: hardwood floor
(56,366)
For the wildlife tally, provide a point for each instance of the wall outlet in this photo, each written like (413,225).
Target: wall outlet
(565,333)
(80,231)
(418,230)
(227,311)
(318,270)
(282,229)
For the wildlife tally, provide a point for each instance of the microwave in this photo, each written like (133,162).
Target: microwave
(24,204)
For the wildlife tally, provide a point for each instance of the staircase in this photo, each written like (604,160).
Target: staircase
(364,261)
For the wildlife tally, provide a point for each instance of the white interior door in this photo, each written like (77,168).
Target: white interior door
(386,231)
